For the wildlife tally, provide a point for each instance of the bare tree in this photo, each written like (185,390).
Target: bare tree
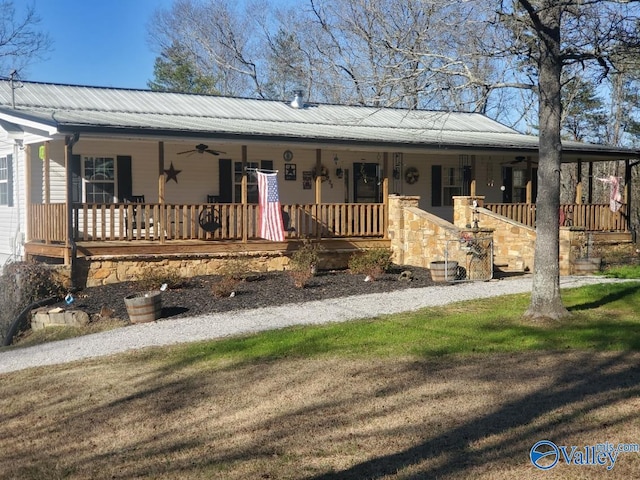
(217,36)
(21,41)
(553,34)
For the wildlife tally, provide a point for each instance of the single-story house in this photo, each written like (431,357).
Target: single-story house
(99,173)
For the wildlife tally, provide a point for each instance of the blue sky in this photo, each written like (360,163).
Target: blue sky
(95,42)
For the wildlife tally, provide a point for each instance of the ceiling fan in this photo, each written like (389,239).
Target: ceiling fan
(201,148)
(519,160)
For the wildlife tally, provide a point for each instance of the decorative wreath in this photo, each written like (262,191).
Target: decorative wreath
(323,173)
(411,175)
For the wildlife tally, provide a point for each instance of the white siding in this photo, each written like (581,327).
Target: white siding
(12,218)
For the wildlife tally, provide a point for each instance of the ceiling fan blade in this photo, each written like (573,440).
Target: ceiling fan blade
(213,152)
(186,151)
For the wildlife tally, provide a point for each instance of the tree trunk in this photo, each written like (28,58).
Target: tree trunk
(546,302)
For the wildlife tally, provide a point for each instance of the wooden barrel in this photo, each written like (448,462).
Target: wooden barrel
(586,266)
(144,307)
(442,271)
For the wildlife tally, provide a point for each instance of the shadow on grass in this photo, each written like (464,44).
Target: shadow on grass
(615,293)
(521,423)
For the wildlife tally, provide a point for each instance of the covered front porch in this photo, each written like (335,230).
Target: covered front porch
(208,228)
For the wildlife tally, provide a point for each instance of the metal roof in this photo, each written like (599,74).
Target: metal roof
(70,108)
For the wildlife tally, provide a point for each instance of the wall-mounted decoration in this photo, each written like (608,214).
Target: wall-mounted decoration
(411,175)
(172,173)
(307,180)
(290,171)
(287,155)
(322,172)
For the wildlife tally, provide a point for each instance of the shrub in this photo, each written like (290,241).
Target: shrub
(225,286)
(236,268)
(305,258)
(152,278)
(303,264)
(232,273)
(372,262)
(23,283)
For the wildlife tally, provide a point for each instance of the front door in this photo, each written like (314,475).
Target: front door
(366,183)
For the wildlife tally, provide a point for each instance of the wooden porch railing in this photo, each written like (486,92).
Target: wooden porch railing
(47,222)
(593,217)
(154,221)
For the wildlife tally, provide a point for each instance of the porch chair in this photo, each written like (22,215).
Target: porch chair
(134,220)
(213,199)
(286,222)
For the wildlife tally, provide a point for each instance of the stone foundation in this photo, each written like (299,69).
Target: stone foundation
(101,271)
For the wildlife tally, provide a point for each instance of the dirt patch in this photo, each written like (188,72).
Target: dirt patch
(141,416)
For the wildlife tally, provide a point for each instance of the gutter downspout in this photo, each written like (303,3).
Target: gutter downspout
(70,141)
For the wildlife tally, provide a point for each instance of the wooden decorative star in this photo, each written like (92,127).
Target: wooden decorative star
(172,173)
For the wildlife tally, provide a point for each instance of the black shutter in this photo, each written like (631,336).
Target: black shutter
(76,179)
(266,164)
(10,180)
(125,182)
(436,185)
(225,189)
(534,185)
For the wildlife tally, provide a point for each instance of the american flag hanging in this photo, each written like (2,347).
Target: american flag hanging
(271,227)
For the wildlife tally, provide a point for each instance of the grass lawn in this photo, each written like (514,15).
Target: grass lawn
(460,392)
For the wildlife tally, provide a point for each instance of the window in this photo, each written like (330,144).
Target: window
(99,173)
(519,186)
(252,180)
(451,184)
(252,183)
(4,181)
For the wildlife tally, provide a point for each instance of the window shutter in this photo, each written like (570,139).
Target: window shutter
(124,189)
(225,189)
(76,179)
(10,180)
(266,164)
(436,185)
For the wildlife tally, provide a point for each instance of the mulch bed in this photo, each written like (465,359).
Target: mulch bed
(196,296)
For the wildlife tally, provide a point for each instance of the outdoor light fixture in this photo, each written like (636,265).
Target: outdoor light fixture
(339,171)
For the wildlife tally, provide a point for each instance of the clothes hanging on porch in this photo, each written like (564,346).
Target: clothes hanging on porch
(615,198)
(271,226)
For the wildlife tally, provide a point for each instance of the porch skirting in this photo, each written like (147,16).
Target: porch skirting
(101,269)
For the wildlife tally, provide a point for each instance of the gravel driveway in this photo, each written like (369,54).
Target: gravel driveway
(218,325)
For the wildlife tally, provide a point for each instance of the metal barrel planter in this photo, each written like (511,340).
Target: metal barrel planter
(144,307)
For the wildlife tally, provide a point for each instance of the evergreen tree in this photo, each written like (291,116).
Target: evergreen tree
(174,71)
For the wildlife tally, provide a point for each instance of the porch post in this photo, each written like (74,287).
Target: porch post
(579,184)
(161,192)
(318,192)
(385,195)
(244,197)
(529,191)
(68,199)
(590,184)
(472,191)
(47,175)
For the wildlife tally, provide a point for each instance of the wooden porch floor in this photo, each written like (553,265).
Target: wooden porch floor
(172,248)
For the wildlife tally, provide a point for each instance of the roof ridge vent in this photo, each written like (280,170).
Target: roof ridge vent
(298,101)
